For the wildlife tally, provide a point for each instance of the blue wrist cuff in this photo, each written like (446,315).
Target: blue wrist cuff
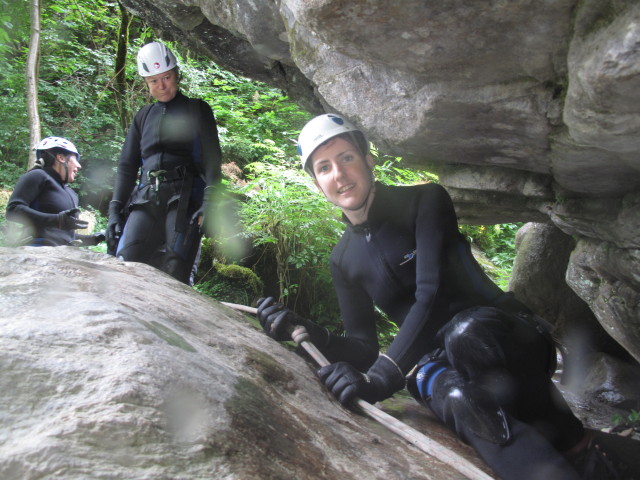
(426,376)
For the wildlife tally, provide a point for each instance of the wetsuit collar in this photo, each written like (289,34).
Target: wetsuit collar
(178,97)
(55,175)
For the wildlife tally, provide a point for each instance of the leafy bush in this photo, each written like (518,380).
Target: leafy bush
(497,242)
(389,170)
(295,226)
(251,116)
(9,174)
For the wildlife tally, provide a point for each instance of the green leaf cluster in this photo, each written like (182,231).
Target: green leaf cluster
(294,226)
(498,244)
(631,420)
(390,171)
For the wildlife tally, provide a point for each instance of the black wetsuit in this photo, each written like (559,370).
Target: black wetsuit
(410,260)
(37,199)
(178,142)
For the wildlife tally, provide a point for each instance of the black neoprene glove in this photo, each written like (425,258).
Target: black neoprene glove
(114,226)
(345,382)
(203,211)
(92,240)
(278,322)
(98,237)
(275,319)
(68,220)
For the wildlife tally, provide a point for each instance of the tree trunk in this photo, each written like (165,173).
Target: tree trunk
(33,65)
(120,63)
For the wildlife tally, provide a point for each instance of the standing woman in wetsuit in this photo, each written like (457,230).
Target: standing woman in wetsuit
(472,353)
(172,147)
(43,202)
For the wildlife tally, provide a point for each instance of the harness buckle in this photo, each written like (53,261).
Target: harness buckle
(158,175)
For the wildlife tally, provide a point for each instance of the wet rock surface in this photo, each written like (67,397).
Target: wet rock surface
(116,370)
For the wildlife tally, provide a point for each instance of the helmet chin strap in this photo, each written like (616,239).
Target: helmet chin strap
(66,171)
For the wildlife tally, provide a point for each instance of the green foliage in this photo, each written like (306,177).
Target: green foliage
(77,47)
(386,329)
(388,170)
(632,420)
(295,226)
(497,242)
(9,174)
(252,117)
(100,226)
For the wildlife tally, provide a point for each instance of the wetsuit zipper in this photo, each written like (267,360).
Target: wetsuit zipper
(160,123)
(393,278)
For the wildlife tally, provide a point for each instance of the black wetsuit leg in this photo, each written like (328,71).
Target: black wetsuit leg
(181,248)
(508,357)
(142,235)
(527,455)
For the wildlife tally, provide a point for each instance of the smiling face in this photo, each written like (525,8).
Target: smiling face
(345,177)
(67,166)
(163,86)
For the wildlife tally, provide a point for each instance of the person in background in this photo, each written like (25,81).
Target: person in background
(172,147)
(476,356)
(43,202)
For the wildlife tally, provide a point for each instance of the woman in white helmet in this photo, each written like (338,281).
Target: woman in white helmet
(43,202)
(471,352)
(173,147)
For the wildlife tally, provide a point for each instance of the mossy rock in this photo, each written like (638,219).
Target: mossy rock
(231,283)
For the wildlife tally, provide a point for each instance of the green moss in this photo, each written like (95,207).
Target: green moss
(231,283)
(242,275)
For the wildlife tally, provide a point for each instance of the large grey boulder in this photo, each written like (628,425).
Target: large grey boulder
(538,276)
(530,111)
(116,370)
(539,279)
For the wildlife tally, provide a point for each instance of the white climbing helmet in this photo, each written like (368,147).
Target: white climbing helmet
(155,58)
(322,128)
(56,142)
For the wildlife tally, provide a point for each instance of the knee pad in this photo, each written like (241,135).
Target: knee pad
(467,409)
(472,341)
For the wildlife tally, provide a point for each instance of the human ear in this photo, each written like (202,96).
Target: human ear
(370,161)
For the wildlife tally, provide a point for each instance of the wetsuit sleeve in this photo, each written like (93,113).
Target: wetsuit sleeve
(211,151)
(435,226)
(359,346)
(28,188)
(129,164)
